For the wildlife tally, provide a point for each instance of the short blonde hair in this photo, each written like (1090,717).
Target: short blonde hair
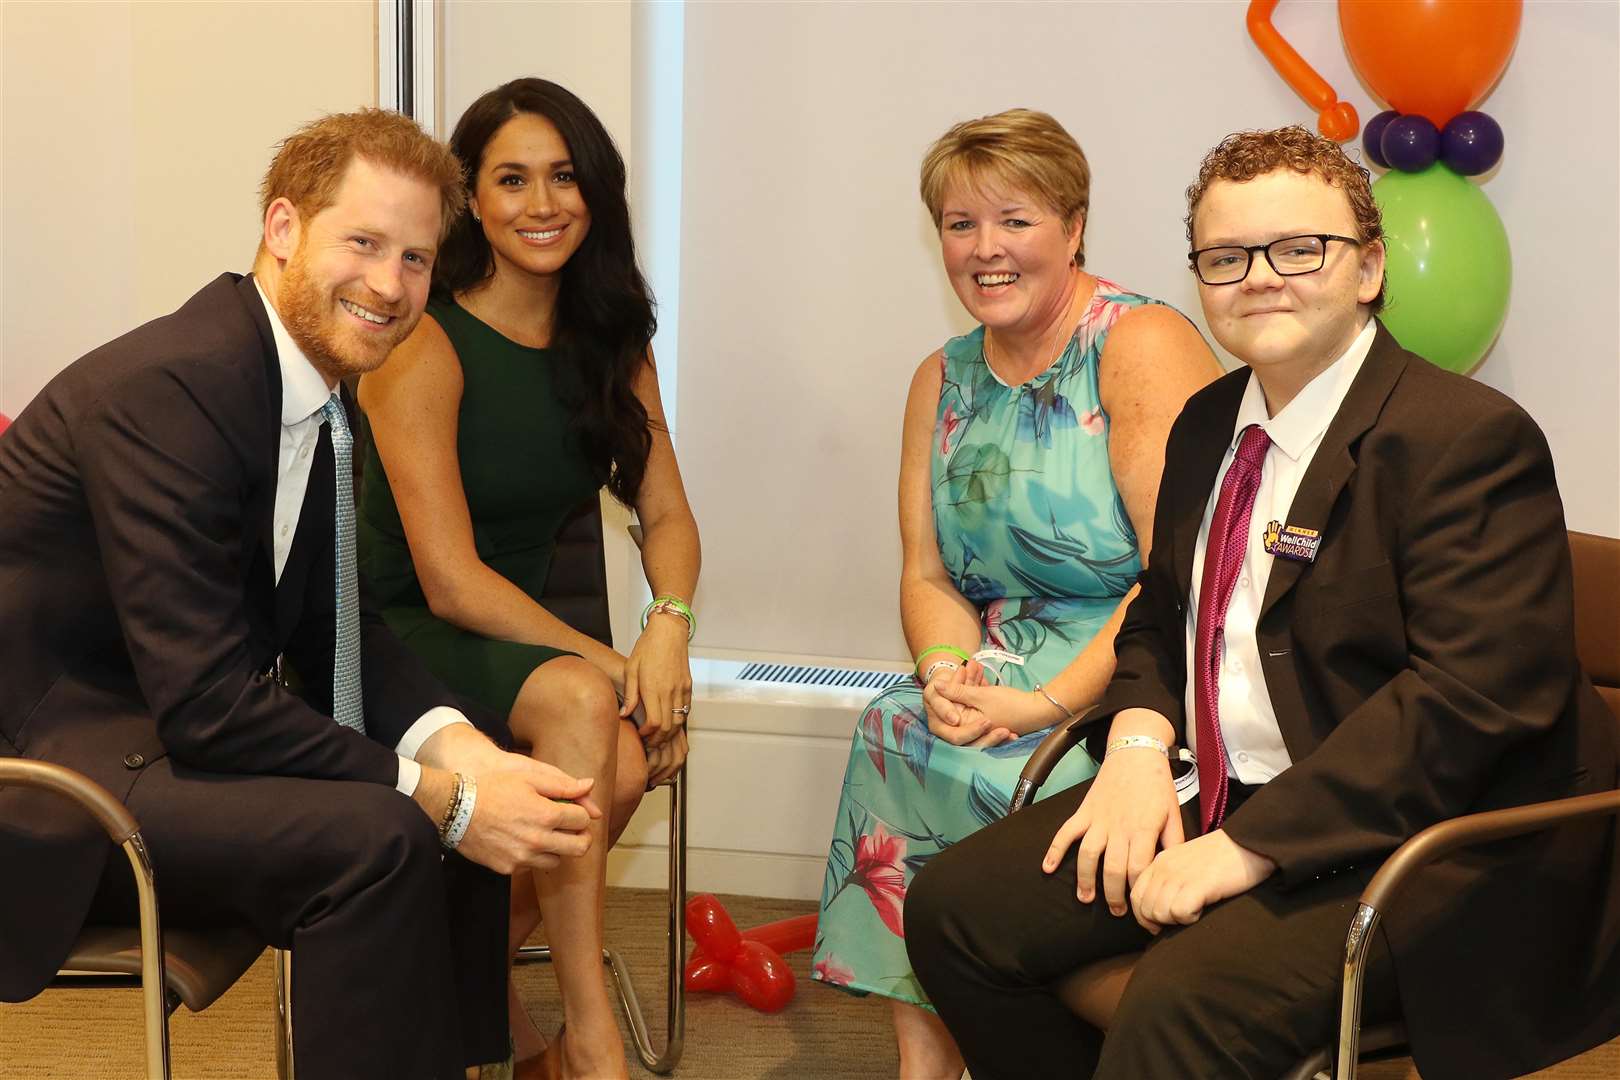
(1244,155)
(1020,148)
(311,162)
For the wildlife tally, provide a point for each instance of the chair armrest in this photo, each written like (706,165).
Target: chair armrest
(1435,842)
(1059,741)
(1445,837)
(111,814)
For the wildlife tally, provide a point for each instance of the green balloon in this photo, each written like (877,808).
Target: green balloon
(1449,270)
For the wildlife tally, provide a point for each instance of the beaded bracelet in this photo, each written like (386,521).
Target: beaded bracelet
(670,605)
(450,807)
(466,798)
(960,654)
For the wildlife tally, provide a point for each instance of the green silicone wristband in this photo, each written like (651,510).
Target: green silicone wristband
(952,649)
(675,605)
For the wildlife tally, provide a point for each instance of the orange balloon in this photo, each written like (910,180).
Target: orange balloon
(1334,118)
(1435,58)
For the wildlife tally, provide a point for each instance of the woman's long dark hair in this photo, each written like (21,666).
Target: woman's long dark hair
(604,319)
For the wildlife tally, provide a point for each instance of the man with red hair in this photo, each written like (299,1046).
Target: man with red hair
(178,521)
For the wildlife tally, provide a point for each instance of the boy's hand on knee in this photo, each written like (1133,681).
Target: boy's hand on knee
(1129,813)
(1184,880)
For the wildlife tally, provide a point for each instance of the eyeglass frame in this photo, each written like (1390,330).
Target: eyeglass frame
(1192,257)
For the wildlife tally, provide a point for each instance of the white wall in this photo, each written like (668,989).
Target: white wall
(811,284)
(132,152)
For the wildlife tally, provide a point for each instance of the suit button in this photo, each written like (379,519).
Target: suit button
(133,761)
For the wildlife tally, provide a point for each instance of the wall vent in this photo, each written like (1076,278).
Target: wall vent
(810,675)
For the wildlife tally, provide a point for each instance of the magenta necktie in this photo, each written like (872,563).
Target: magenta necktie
(1223,558)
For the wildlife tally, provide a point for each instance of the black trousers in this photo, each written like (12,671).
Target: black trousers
(1247,991)
(399,951)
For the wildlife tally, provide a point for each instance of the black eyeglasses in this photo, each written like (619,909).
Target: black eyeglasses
(1289,257)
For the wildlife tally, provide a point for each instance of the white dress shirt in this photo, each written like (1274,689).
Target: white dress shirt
(1254,745)
(303,394)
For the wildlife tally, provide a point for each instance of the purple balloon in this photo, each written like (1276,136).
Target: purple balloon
(1372,137)
(1471,143)
(1410,143)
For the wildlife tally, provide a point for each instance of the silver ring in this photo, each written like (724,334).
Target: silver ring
(682,711)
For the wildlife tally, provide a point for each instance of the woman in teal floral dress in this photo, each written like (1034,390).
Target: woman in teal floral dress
(1030,462)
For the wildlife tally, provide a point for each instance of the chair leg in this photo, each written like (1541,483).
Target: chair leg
(282,960)
(663,1063)
(154,989)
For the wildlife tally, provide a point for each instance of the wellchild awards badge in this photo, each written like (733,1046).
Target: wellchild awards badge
(1292,541)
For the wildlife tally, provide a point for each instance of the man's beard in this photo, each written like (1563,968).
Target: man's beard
(316,326)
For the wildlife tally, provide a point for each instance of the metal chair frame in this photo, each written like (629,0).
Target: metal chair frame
(158,1000)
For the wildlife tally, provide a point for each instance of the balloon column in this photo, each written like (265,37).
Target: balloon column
(1449,267)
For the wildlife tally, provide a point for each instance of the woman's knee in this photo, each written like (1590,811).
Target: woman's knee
(565,690)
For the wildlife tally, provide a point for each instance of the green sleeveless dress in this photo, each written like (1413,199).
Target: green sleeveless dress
(523,471)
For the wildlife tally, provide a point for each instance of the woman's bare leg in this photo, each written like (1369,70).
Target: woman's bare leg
(927,1051)
(568,715)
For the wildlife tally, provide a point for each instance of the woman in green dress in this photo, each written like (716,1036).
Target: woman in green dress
(1029,466)
(527,387)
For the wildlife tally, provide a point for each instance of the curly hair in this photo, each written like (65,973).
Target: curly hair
(310,164)
(1244,155)
(1021,148)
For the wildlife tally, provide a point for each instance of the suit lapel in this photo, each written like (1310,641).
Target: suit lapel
(312,540)
(1334,463)
(260,518)
(1210,438)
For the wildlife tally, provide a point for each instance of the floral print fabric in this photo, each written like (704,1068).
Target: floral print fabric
(1032,529)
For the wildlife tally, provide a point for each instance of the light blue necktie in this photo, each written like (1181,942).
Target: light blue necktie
(346,708)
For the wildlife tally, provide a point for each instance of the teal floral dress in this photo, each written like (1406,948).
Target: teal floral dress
(1032,530)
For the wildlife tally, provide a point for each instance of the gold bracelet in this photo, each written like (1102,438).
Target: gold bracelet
(452,806)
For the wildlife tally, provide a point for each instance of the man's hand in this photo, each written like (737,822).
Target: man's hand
(528,814)
(1130,811)
(1182,881)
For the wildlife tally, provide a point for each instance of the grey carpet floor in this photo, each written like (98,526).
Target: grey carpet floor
(822,1035)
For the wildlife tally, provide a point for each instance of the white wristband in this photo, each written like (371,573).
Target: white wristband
(1131,742)
(928,672)
(463,815)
